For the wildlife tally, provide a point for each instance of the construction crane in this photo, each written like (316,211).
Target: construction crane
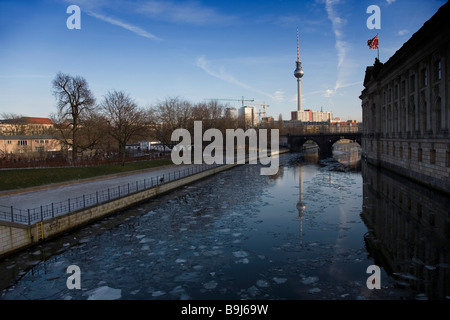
(264,105)
(259,116)
(243,100)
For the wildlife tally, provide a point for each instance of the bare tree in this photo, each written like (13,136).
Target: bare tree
(171,114)
(73,100)
(15,124)
(125,119)
(210,114)
(92,131)
(175,113)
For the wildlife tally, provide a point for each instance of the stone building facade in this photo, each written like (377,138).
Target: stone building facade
(406,106)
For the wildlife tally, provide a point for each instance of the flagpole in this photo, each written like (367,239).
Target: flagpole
(378,49)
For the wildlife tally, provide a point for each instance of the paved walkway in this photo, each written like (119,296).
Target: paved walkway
(35,197)
(74,195)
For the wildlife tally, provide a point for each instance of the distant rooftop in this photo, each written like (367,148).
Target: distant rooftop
(27,120)
(26,137)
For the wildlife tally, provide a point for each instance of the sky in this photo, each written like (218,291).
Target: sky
(201,50)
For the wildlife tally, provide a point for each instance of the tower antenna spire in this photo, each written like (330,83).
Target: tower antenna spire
(298,73)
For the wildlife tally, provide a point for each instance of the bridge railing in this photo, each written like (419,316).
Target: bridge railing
(54,209)
(319,129)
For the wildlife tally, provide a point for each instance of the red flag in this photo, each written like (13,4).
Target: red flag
(373,43)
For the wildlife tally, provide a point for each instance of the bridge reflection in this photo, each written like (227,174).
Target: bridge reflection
(347,153)
(409,232)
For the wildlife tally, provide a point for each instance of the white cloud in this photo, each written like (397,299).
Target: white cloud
(130,27)
(221,74)
(278,95)
(342,48)
(402,32)
(329,92)
(390,1)
(187,12)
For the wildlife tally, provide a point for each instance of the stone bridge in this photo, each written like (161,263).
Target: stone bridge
(325,141)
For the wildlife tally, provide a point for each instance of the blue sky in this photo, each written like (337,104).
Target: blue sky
(197,50)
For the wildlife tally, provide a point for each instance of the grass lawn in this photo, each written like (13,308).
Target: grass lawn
(25,178)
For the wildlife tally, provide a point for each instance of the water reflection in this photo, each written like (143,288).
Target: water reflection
(301,205)
(347,152)
(409,232)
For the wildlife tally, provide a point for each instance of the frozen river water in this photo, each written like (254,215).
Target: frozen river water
(236,235)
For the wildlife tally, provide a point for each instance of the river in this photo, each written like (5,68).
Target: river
(309,232)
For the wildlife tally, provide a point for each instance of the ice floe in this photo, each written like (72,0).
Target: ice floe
(240,254)
(279,280)
(104,293)
(210,285)
(310,280)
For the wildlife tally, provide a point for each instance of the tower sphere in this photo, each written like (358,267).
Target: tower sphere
(298,73)
(301,208)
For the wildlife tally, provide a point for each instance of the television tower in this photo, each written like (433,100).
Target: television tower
(298,73)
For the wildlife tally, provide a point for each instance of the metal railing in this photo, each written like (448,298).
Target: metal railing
(48,211)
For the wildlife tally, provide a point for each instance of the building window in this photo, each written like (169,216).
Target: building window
(424,78)
(9,141)
(432,156)
(401,152)
(437,70)
(409,153)
(412,83)
(22,142)
(403,88)
(419,154)
(39,149)
(447,158)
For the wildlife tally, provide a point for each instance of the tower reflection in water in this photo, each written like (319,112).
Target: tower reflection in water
(408,232)
(300,204)
(311,156)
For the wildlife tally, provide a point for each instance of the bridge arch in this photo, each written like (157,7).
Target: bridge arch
(324,141)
